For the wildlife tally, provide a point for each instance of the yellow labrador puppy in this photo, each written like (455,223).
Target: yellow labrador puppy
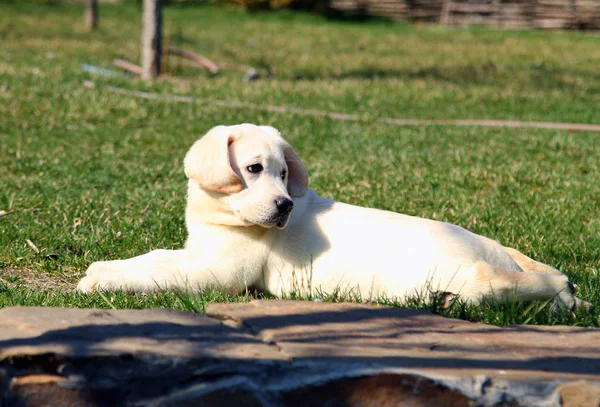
(253,221)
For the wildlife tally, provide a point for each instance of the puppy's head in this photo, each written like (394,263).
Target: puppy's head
(251,169)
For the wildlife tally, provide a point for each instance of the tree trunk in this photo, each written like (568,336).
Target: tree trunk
(151,39)
(91,14)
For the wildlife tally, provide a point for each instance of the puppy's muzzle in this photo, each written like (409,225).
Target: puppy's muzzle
(284,208)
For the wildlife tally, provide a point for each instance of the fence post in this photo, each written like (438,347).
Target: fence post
(151,39)
(445,12)
(497,13)
(531,13)
(91,14)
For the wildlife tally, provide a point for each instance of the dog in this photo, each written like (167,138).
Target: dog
(252,221)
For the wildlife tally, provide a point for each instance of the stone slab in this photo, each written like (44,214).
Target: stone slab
(288,353)
(78,357)
(385,336)
(532,364)
(94,333)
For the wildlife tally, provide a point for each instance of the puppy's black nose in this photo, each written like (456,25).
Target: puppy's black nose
(284,205)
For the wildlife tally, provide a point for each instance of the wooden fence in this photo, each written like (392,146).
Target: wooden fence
(519,14)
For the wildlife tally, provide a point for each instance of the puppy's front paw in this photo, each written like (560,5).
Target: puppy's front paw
(95,273)
(87,284)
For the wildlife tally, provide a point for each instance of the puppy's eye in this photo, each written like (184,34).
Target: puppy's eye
(283,174)
(254,168)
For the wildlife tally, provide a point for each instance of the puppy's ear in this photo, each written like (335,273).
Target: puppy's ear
(297,175)
(207,162)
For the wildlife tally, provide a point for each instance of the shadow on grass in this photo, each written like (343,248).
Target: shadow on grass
(537,77)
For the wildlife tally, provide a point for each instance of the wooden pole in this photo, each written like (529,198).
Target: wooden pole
(445,13)
(151,39)
(496,13)
(91,14)
(530,13)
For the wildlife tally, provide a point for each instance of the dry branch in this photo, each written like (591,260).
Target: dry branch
(197,58)
(128,66)
(4,213)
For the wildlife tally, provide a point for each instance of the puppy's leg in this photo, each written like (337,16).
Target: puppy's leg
(501,284)
(529,265)
(164,269)
(148,272)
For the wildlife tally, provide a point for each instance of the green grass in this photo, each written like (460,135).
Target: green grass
(24,296)
(93,175)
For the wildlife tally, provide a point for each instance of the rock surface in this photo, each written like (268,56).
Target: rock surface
(289,353)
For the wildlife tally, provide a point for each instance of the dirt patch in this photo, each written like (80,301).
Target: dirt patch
(30,279)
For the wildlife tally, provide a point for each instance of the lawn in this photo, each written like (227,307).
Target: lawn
(90,175)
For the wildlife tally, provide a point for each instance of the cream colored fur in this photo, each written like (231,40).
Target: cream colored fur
(237,238)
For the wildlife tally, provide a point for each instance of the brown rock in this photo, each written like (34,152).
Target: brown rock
(41,390)
(77,357)
(355,333)
(381,390)
(80,332)
(579,394)
(289,353)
